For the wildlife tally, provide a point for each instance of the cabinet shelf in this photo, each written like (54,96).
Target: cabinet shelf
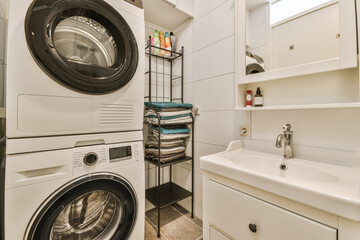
(167,193)
(169,163)
(303,106)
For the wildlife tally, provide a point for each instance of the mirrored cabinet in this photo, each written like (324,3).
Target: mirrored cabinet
(304,51)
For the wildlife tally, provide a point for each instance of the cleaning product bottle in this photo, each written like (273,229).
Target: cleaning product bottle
(167,44)
(173,42)
(152,44)
(156,42)
(248,98)
(162,43)
(258,99)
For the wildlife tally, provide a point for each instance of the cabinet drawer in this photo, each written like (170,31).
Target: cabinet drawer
(232,212)
(215,235)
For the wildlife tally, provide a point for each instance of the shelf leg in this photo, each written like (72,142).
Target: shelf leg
(192,167)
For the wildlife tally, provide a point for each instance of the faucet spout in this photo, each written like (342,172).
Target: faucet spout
(287,138)
(279,140)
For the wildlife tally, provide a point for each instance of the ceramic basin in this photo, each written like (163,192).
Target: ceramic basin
(329,187)
(271,166)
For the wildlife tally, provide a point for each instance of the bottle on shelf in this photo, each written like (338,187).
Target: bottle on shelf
(258,99)
(248,98)
(173,42)
(162,43)
(167,44)
(156,42)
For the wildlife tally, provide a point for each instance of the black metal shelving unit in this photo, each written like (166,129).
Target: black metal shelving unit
(168,193)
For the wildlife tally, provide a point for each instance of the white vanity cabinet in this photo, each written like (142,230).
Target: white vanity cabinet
(242,216)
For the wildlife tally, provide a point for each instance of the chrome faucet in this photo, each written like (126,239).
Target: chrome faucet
(287,138)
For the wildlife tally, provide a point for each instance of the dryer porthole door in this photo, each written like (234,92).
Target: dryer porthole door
(85,45)
(96,207)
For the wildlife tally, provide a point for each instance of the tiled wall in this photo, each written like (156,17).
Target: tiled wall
(3,24)
(209,42)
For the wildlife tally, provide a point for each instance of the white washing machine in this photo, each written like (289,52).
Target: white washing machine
(74,67)
(92,192)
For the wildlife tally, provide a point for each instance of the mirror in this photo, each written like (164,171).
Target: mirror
(281,34)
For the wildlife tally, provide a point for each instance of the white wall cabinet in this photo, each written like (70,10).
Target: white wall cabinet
(244,217)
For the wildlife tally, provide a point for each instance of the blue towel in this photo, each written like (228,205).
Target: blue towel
(171,117)
(172,131)
(162,105)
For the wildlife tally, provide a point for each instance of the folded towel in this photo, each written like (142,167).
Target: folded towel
(150,112)
(171,117)
(164,152)
(169,136)
(172,130)
(181,120)
(167,158)
(161,105)
(162,145)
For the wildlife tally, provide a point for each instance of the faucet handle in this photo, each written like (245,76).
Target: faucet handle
(286,127)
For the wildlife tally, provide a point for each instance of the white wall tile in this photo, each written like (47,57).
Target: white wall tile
(185,38)
(203,7)
(2,40)
(188,68)
(182,177)
(217,128)
(258,16)
(258,35)
(215,26)
(333,129)
(202,149)
(198,209)
(215,93)
(3,9)
(214,60)
(2,85)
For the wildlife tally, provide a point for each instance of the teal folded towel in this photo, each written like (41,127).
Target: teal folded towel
(173,130)
(162,105)
(171,117)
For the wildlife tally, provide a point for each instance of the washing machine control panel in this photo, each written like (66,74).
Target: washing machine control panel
(120,153)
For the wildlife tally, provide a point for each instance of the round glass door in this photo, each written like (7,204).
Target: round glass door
(85,45)
(100,207)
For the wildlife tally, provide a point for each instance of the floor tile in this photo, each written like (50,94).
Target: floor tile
(150,232)
(182,228)
(167,215)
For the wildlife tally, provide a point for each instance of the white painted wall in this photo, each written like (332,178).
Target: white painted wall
(209,83)
(3,24)
(209,42)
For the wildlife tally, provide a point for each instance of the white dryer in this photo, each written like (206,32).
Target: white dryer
(91,192)
(74,67)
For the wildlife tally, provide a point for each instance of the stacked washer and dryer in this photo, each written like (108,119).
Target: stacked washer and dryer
(74,165)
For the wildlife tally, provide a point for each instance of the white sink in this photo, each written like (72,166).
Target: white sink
(329,187)
(271,166)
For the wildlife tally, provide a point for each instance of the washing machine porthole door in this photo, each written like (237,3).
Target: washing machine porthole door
(85,45)
(101,207)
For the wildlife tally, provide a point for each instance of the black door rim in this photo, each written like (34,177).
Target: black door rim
(43,17)
(39,227)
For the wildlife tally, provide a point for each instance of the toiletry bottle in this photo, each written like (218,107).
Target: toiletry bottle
(156,42)
(173,42)
(167,44)
(248,98)
(258,99)
(162,43)
(152,44)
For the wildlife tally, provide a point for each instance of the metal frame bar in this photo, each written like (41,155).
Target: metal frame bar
(158,164)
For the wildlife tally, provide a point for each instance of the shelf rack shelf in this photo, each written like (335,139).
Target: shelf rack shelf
(168,193)
(303,106)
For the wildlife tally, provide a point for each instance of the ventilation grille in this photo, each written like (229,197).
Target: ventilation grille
(117,114)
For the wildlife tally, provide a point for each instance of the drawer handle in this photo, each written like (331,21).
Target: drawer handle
(252,227)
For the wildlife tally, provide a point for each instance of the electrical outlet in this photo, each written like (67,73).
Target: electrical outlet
(196,110)
(245,131)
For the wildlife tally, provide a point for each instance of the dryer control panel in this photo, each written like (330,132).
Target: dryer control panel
(102,157)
